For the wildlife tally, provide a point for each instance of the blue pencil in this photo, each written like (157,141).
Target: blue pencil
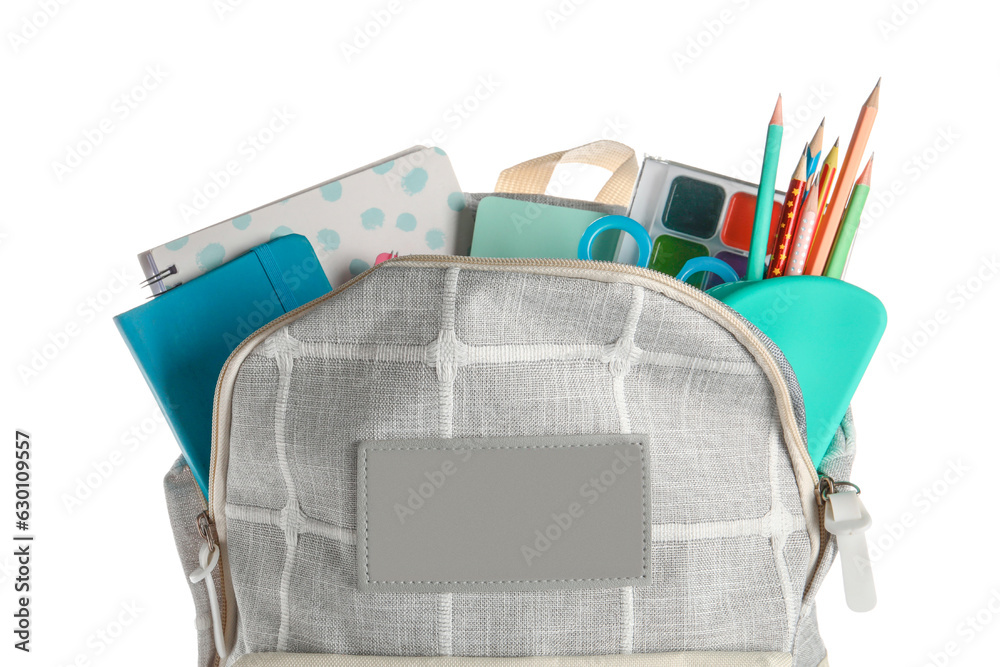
(814,150)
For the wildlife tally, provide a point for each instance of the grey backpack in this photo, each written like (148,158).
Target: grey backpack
(512,463)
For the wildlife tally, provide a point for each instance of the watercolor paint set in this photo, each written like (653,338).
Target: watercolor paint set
(691,212)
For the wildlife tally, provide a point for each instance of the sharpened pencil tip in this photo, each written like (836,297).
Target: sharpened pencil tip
(816,144)
(776,116)
(812,200)
(866,175)
(800,168)
(872,100)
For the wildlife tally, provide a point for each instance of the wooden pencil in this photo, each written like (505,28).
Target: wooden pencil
(827,174)
(849,225)
(765,197)
(814,151)
(826,230)
(804,234)
(786,225)
(811,183)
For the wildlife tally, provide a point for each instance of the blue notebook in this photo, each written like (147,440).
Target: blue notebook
(182,338)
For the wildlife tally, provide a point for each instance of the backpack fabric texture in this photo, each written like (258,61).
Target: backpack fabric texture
(439,350)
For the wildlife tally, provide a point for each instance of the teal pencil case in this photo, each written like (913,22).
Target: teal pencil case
(828,331)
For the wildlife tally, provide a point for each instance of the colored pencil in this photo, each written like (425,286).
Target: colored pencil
(826,230)
(814,151)
(849,226)
(786,225)
(810,184)
(804,234)
(795,213)
(826,175)
(765,197)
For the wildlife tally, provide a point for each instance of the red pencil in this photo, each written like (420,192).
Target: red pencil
(786,226)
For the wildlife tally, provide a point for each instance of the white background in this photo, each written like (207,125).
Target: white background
(599,68)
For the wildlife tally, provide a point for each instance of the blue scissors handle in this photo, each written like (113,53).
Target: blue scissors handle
(620,222)
(712,265)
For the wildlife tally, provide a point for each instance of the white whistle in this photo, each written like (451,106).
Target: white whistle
(847,518)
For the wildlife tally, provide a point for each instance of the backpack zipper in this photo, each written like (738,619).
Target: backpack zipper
(208,561)
(210,518)
(570,268)
(844,515)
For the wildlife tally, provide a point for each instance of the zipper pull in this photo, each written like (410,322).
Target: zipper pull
(845,516)
(208,560)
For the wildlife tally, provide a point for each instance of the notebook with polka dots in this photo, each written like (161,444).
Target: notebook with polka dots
(410,203)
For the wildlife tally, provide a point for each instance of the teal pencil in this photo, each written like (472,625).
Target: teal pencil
(765,197)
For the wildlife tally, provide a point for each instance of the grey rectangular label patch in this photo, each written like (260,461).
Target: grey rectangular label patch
(503,514)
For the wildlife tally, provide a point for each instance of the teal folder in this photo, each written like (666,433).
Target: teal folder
(182,338)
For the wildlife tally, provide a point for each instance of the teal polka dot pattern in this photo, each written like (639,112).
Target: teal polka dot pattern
(407,222)
(372,218)
(328,239)
(411,204)
(331,191)
(414,181)
(211,256)
(435,239)
(358,266)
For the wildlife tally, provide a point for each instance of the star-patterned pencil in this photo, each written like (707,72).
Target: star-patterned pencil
(786,226)
(811,184)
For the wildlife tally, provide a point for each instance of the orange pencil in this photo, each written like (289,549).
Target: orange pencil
(786,226)
(826,231)
(826,175)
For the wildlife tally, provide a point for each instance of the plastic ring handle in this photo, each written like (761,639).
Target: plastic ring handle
(710,264)
(620,222)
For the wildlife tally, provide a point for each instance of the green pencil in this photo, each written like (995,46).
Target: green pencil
(765,197)
(849,226)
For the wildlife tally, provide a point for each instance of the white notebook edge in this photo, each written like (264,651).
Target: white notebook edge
(154,280)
